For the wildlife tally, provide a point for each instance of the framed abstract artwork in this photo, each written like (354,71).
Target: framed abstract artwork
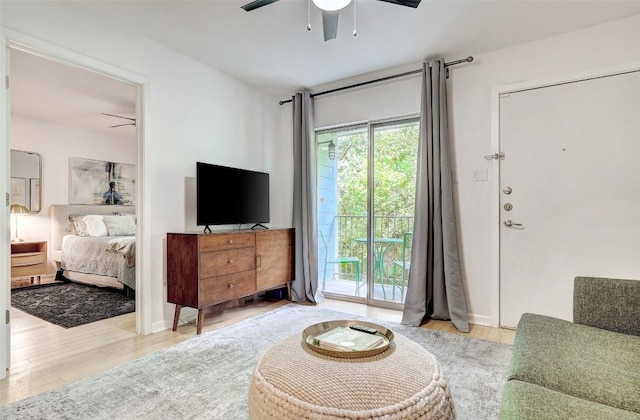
(101,182)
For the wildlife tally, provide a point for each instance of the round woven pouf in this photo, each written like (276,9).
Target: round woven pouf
(291,381)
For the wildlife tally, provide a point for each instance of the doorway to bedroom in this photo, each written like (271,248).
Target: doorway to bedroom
(82,125)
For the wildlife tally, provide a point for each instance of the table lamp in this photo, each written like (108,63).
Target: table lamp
(17,209)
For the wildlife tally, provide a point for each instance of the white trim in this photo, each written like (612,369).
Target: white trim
(5,225)
(480,320)
(494,239)
(26,43)
(495,147)
(365,123)
(29,44)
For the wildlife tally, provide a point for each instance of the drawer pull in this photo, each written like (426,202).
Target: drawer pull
(230,261)
(230,241)
(230,285)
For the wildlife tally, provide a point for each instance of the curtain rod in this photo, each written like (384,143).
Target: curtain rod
(382,79)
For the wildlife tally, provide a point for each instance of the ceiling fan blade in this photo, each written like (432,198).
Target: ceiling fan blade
(118,116)
(256,4)
(408,3)
(122,125)
(133,120)
(329,24)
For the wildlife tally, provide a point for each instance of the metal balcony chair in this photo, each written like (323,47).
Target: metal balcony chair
(404,264)
(355,261)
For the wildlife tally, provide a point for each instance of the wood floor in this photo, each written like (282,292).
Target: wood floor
(45,356)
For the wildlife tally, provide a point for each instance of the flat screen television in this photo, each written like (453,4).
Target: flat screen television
(230,196)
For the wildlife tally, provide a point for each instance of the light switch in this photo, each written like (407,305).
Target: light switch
(481,174)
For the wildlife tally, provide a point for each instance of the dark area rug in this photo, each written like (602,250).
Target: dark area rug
(71,304)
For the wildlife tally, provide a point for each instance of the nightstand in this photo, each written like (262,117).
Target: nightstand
(29,259)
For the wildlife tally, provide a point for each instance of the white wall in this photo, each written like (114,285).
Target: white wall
(575,53)
(470,101)
(192,113)
(56,143)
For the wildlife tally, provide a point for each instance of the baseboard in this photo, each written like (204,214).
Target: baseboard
(187,316)
(480,320)
(160,326)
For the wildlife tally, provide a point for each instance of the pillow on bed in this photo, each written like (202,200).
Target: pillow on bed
(132,215)
(89,225)
(94,225)
(79,227)
(120,225)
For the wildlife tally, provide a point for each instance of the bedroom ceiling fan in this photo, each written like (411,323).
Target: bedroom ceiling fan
(132,121)
(330,10)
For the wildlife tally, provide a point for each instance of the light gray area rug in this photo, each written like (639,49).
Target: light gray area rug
(207,377)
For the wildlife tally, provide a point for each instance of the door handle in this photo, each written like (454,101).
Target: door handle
(510,223)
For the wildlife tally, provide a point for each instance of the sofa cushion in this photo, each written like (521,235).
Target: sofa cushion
(611,304)
(526,401)
(586,362)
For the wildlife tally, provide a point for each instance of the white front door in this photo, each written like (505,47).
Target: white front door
(570,191)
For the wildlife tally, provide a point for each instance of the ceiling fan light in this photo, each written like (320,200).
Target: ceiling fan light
(331,5)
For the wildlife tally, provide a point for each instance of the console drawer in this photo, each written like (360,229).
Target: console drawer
(219,263)
(219,242)
(222,288)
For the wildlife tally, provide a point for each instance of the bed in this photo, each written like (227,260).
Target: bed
(95,244)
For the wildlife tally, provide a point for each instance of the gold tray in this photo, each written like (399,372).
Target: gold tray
(313,331)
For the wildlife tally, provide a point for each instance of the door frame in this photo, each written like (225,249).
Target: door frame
(11,39)
(5,226)
(369,126)
(495,225)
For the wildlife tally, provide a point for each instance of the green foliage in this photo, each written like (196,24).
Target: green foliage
(395,151)
(394,175)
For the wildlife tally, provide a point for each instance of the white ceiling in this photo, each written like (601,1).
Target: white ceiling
(271,49)
(55,92)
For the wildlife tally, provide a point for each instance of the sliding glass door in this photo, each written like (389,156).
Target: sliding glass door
(366,197)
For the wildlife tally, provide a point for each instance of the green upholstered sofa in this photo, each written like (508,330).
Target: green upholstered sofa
(586,369)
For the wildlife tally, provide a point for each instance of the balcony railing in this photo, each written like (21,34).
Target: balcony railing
(345,237)
(347,228)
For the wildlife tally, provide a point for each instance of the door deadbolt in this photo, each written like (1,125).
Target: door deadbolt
(507,190)
(508,206)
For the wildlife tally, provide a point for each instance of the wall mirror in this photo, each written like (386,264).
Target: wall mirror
(26,179)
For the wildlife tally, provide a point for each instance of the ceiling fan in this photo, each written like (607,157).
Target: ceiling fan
(330,9)
(132,121)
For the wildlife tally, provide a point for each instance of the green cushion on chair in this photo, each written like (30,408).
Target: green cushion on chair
(578,360)
(525,401)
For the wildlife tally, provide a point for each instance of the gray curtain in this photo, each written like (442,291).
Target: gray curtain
(435,286)
(305,284)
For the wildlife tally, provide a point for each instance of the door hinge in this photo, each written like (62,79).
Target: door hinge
(6,78)
(8,316)
(495,156)
(8,200)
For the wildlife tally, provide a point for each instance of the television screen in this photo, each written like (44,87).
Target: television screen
(230,196)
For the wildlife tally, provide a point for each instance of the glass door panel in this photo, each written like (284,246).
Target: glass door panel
(342,211)
(366,190)
(394,152)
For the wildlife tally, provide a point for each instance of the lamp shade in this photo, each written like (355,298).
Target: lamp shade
(331,5)
(18,209)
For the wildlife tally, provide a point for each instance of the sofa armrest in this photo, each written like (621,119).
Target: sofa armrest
(610,304)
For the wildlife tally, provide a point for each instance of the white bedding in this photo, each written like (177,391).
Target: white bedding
(89,255)
(124,245)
